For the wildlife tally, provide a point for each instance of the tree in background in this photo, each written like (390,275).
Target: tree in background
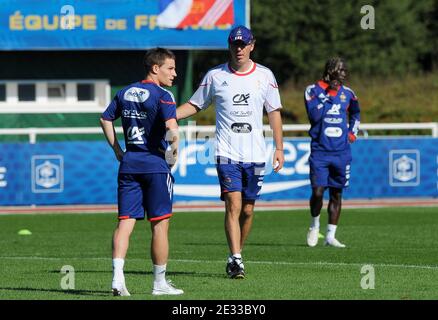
(431,19)
(295,38)
(298,36)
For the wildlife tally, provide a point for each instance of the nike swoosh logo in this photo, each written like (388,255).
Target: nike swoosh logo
(214,190)
(281,186)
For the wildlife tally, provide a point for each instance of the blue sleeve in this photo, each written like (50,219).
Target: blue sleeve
(354,115)
(315,107)
(114,110)
(167,106)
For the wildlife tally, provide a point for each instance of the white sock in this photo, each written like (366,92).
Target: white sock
(230,258)
(237,256)
(331,231)
(315,222)
(159,273)
(118,276)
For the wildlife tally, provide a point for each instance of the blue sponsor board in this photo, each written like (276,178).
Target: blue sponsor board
(58,173)
(86,172)
(103,24)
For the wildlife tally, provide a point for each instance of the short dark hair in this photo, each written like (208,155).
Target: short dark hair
(156,56)
(331,65)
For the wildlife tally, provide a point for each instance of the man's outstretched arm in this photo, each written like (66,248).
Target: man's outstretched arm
(186,110)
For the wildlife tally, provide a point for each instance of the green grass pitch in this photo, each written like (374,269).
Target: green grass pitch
(401,244)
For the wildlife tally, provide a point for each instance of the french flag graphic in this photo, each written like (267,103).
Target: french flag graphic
(203,13)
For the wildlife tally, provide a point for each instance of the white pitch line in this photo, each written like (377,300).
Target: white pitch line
(319,263)
(316,263)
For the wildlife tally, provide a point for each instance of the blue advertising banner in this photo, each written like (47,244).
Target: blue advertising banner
(119,24)
(86,172)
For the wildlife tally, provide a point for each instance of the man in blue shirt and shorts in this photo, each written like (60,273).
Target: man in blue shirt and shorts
(334,115)
(145,183)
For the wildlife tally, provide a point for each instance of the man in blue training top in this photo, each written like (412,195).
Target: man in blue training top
(334,116)
(145,183)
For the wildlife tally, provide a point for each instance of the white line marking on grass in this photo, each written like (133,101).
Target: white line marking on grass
(287,263)
(318,263)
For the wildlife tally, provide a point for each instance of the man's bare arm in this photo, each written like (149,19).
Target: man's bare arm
(277,127)
(186,110)
(110,135)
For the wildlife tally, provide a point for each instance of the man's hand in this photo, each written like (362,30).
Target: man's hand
(351,137)
(334,84)
(173,153)
(278,160)
(172,136)
(336,73)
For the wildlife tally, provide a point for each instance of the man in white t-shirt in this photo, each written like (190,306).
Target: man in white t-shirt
(240,89)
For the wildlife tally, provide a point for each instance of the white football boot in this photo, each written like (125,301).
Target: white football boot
(312,237)
(334,243)
(165,287)
(120,291)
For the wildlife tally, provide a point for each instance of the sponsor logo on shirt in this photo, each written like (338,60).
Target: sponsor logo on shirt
(134,114)
(241,114)
(241,99)
(333,120)
(333,132)
(343,97)
(241,127)
(135,94)
(323,97)
(224,84)
(135,135)
(335,109)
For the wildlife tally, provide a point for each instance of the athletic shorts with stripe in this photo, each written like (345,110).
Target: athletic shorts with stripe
(330,170)
(246,177)
(145,192)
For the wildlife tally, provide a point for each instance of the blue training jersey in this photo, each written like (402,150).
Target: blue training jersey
(144,107)
(333,114)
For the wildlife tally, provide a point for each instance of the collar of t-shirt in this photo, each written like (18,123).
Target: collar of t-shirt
(243,73)
(330,91)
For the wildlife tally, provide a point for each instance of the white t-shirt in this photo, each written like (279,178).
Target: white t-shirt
(239,99)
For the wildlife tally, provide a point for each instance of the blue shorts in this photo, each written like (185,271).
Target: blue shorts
(330,170)
(150,192)
(245,177)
